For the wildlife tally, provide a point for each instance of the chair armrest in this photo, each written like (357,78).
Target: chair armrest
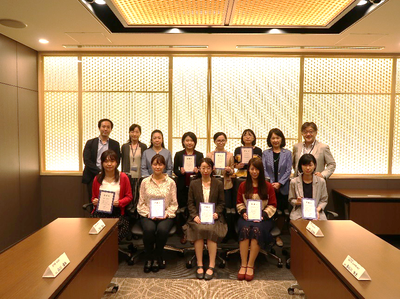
(88,207)
(331,213)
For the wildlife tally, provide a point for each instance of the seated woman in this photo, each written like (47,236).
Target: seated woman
(110,179)
(156,230)
(248,139)
(307,185)
(131,154)
(206,190)
(254,234)
(156,147)
(189,141)
(277,168)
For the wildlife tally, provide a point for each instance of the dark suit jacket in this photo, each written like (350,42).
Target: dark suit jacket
(90,157)
(178,163)
(125,150)
(196,196)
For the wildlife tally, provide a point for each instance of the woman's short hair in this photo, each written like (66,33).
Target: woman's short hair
(305,160)
(191,135)
(309,124)
(216,135)
(151,138)
(252,133)
(159,159)
(209,162)
(279,133)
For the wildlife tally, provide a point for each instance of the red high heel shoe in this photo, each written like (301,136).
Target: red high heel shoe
(247,276)
(241,276)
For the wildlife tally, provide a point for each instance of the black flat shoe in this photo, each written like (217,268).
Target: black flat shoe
(147,266)
(161,263)
(209,276)
(200,275)
(155,267)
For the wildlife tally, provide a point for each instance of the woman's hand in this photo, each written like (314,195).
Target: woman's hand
(228,169)
(196,170)
(95,201)
(318,210)
(276,186)
(182,170)
(197,219)
(215,216)
(241,165)
(116,203)
(298,202)
(319,174)
(245,217)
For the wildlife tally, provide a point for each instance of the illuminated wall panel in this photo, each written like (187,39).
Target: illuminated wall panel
(396,138)
(189,99)
(257,93)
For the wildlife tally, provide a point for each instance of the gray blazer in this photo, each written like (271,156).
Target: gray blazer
(320,194)
(196,197)
(322,154)
(126,164)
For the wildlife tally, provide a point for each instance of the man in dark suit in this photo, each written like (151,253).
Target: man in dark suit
(93,150)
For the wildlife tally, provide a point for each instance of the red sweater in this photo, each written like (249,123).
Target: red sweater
(125,191)
(268,205)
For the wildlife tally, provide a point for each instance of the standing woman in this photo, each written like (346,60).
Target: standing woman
(189,141)
(156,230)
(253,234)
(248,139)
(208,190)
(277,168)
(131,158)
(156,147)
(308,185)
(110,179)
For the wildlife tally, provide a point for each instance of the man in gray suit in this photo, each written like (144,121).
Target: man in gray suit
(325,162)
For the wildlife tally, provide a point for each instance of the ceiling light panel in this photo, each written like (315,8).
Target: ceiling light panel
(309,13)
(170,12)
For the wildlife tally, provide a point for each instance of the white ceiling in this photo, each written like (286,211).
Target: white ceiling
(68,22)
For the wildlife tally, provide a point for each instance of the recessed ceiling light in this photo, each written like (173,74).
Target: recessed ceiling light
(100,2)
(362,2)
(12,23)
(43,41)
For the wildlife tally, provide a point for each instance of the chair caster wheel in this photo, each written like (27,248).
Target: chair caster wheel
(280,264)
(189,265)
(273,251)
(130,262)
(114,289)
(290,291)
(222,265)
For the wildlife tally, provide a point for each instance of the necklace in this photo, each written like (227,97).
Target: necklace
(277,159)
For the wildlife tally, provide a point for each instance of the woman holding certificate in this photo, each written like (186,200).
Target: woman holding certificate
(308,194)
(206,204)
(186,163)
(157,206)
(156,147)
(256,203)
(111,192)
(277,168)
(244,153)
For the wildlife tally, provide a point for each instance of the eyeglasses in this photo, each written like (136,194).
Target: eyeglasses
(309,132)
(205,168)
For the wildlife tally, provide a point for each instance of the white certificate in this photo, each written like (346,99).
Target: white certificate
(157,208)
(309,208)
(189,162)
(220,160)
(207,212)
(247,154)
(106,199)
(254,211)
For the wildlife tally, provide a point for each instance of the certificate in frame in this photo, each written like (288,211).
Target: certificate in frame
(246,153)
(220,160)
(210,208)
(309,208)
(157,208)
(254,210)
(106,201)
(189,163)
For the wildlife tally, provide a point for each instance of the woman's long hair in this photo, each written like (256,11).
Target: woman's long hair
(151,138)
(262,185)
(108,154)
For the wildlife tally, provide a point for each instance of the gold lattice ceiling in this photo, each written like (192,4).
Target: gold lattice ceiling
(293,13)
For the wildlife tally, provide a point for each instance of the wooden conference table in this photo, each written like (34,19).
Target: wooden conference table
(93,261)
(316,263)
(375,210)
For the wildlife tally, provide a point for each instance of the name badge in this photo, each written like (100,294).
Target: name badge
(314,229)
(134,168)
(355,269)
(56,267)
(97,227)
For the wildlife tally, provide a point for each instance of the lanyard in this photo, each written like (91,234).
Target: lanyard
(134,153)
(304,148)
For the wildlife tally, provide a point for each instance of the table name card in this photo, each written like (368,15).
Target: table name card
(97,227)
(314,229)
(355,269)
(56,267)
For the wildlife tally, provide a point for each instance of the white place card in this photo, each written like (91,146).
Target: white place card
(97,227)
(247,154)
(314,229)
(308,208)
(206,212)
(189,163)
(56,267)
(106,200)
(220,160)
(355,269)
(157,208)
(254,210)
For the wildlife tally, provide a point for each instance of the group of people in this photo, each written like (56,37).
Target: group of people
(146,175)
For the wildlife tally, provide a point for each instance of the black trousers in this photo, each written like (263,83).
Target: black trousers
(155,236)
